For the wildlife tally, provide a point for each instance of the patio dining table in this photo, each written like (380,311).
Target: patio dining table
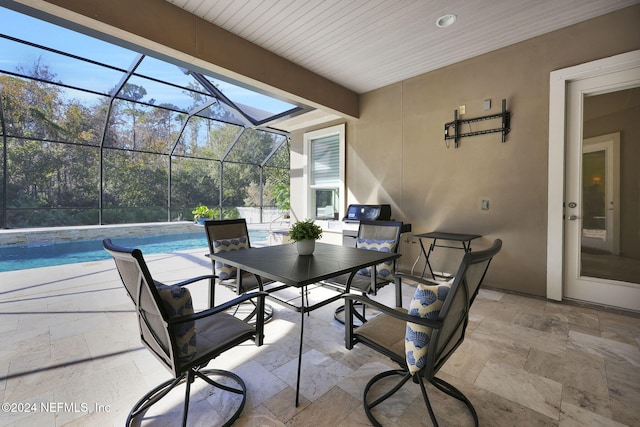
(282,264)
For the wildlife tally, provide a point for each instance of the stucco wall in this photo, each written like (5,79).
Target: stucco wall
(396,152)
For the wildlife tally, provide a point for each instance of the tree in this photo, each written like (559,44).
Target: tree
(55,143)
(133,93)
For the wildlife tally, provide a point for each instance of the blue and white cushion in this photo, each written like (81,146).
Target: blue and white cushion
(177,302)
(426,303)
(385,269)
(224,271)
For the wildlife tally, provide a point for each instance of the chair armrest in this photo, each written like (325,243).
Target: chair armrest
(422,280)
(393,312)
(195,279)
(220,308)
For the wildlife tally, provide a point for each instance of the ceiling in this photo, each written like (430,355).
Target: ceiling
(367,44)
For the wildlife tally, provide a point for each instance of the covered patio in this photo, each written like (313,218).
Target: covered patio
(71,353)
(70,343)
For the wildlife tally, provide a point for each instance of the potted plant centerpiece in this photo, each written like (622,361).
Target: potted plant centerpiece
(305,233)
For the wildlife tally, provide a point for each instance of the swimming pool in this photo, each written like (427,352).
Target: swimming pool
(46,255)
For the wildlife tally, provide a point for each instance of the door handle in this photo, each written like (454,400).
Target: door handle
(573,217)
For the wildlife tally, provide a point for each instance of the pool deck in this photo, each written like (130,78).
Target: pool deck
(69,337)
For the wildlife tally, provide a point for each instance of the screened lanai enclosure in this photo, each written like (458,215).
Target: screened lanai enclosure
(96,133)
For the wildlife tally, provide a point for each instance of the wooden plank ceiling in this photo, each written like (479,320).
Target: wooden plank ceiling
(367,44)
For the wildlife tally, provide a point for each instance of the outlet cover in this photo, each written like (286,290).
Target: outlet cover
(462,109)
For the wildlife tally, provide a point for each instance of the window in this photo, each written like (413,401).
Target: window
(324,173)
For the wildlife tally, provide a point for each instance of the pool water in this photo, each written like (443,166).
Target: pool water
(46,255)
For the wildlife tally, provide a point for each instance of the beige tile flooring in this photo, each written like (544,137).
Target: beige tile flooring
(69,341)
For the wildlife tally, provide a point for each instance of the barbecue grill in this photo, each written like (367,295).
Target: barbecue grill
(357,213)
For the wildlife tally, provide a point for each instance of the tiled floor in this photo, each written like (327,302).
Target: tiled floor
(70,354)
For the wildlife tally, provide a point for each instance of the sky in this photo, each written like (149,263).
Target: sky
(101,79)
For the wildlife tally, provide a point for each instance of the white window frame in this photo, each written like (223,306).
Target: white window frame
(308,139)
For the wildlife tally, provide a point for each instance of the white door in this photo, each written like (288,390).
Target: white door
(600,267)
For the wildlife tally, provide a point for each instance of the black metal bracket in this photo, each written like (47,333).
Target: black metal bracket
(505,116)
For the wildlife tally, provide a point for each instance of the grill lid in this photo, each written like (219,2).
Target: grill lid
(368,212)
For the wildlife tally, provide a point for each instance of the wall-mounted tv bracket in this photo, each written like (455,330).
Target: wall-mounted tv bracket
(505,116)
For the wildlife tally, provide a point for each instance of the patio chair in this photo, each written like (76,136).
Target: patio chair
(421,339)
(377,236)
(231,235)
(183,341)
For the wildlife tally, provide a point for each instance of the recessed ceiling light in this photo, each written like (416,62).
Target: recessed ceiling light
(446,21)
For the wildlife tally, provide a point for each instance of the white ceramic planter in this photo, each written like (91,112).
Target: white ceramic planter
(306,247)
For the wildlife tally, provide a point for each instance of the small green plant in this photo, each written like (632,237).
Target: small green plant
(202,211)
(282,199)
(305,230)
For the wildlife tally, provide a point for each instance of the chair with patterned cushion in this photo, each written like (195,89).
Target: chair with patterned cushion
(232,235)
(185,341)
(376,236)
(421,339)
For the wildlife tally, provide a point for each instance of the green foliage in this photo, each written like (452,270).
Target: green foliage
(209,213)
(305,230)
(54,149)
(202,211)
(282,197)
(274,194)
